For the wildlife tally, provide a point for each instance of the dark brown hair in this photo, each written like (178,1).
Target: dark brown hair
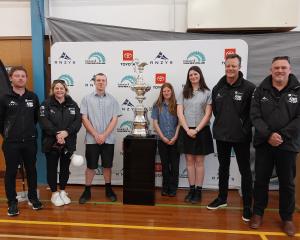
(188,89)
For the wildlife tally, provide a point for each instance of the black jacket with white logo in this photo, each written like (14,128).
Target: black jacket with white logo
(270,113)
(18,116)
(55,117)
(231,108)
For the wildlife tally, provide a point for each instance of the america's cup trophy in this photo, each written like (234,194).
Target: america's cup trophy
(140,123)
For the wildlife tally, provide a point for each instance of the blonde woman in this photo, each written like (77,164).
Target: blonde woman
(60,120)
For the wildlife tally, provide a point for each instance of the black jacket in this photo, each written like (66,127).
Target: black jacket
(231,107)
(18,116)
(55,117)
(281,115)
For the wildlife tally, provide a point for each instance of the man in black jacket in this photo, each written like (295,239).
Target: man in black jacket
(231,99)
(18,118)
(275,114)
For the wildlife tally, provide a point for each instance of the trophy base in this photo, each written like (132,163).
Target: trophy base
(140,132)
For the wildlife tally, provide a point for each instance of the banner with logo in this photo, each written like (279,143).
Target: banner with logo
(168,61)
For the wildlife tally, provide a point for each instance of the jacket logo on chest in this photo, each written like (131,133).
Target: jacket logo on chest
(42,111)
(29,103)
(264,99)
(12,103)
(72,110)
(238,96)
(292,98)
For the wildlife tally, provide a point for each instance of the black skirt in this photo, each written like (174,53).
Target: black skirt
(201,145)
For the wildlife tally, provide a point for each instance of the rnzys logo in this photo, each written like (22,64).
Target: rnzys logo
(238,96)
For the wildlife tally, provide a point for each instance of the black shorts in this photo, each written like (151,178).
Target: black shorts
(93,151)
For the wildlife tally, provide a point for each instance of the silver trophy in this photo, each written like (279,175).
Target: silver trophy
(140,123)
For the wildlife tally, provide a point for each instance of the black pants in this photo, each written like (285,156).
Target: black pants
(169,157)
(52,163)
(242,151)
(15,153)
(285,164)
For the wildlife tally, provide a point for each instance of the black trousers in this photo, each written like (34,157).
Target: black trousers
(266,158)
(169,157)
(15,153)
(242,151)
(53,157)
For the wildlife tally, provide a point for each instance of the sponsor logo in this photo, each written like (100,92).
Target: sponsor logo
(127,106)
(238,96)
(264,99)
(29,103)
(127,81)
(125,127)
(228,51)
(99,170)
(127,55)
(292,98)
(119,172)
(95,58)
(195,57)
(127,58)
(67,78)
(12,103)
(64,59)
(160,78)
(90,82)
(183,174)
(161,59)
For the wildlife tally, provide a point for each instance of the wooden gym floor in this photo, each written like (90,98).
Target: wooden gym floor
(170,218)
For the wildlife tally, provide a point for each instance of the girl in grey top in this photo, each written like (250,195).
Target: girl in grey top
(195,140)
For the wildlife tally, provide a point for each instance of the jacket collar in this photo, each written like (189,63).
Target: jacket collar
(238,83)
(293,82)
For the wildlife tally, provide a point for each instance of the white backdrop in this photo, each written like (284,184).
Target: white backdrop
(77,62)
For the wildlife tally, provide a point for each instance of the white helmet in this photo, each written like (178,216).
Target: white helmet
(77,160)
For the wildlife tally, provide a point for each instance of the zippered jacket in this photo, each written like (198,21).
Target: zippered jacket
(272,114)
(18,116)
(231,108)
(55,117)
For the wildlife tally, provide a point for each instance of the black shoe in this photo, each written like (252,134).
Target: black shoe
(247,214)
(164,192)
(172,193)
(12,209)
(217,203)
(197,196)
(109,193)
(35,204)
(85,196)
(190,195)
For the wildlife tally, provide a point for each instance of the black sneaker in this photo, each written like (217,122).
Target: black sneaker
(247,214)
(172,193)
(85,196)
(109,193)
(164,192)
(190,195)
(12,209)
(196,197)
(35,204)
(217,203)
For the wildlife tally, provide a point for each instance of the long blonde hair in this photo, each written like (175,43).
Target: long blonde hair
(172,106)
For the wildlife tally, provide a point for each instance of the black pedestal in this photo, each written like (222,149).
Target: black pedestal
(139,170)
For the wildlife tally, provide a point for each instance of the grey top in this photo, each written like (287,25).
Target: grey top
(194,108)
(100,110)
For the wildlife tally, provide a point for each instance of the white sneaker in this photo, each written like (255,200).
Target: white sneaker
(64,196)
(56,199)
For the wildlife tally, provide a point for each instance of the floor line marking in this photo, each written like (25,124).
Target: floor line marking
(45,237)
(98,225)
(263,237)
